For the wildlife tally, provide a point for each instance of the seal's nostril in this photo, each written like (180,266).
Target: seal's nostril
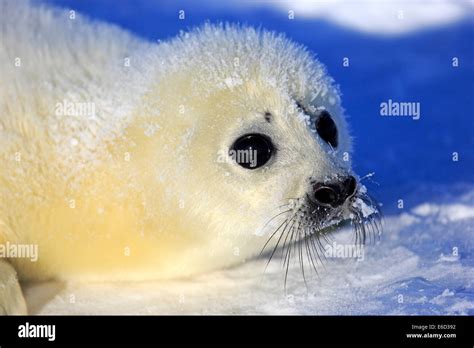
(326,195)
(350,185)
(335,194)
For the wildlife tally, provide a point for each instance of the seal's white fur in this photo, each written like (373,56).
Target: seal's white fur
(137,189)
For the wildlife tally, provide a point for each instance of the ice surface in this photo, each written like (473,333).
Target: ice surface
(423,264)
(353,14)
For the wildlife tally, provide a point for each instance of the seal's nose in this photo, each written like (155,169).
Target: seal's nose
(336,193)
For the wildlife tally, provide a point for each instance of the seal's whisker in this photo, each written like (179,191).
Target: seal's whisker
(320,247)
(288,254)
(299,245)
(379,223)
(316,248)
(290,241)
(370,228)
(273,218)
(356,233)
(360,226)
(301,260)
(376,231)
(353,225)
(364,233)
(377,217)
(274,232)
(287,257)
(369,177)
(357,228)
(309,253)
(325,236)
(285,223)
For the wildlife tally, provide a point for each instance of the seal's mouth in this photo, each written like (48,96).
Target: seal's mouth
(304,227)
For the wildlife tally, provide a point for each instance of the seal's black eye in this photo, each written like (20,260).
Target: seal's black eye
(252,150)
(327,129)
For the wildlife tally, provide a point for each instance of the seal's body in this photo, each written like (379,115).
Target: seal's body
(115,151)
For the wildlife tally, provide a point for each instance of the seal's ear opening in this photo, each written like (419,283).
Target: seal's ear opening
(327,129)
(252,151)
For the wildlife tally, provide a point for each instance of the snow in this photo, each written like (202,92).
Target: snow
(446,213)
(392,17)
(421,265)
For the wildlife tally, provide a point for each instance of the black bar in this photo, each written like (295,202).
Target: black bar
(261,330)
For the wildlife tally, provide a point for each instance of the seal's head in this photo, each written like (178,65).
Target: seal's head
(252,147)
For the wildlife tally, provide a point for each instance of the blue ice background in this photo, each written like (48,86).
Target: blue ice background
(411,159)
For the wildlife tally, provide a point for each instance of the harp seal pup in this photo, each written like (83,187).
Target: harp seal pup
(123,159)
